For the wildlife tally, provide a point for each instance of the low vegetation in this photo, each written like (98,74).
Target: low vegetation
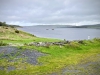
(57,57)
(7,25)
(3,44)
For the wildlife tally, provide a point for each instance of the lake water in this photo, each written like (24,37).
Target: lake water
(63,33)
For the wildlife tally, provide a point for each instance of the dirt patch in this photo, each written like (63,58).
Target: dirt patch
(88,68)
(12,54)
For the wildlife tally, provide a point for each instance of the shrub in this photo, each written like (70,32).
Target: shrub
(6,28)
(81,42)
(25,44)
(3,24)
(73,45)
(16,31)
(96,39)
(2,43)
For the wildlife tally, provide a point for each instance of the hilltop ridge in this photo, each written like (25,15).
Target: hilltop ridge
(97,26)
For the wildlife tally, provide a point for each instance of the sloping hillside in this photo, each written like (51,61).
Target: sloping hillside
(13,34)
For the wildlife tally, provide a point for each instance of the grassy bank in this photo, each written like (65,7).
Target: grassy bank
(12,35)
(57,57)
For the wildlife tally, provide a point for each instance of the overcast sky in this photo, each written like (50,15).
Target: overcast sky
(32,12)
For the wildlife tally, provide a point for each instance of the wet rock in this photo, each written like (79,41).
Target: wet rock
(61,43)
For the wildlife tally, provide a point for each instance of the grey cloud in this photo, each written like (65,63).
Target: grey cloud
(50,11)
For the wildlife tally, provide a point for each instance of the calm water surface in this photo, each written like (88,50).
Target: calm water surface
(63,33)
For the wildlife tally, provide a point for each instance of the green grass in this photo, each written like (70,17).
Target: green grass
(56,58)
(10,36)
(2,43)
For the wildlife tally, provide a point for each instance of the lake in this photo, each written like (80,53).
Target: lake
(63,33)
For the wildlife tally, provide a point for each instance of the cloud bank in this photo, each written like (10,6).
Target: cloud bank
(32,12)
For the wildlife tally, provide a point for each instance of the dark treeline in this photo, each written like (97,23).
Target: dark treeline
(7,25)
(3,24)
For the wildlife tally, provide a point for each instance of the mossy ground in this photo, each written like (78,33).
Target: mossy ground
(57,57)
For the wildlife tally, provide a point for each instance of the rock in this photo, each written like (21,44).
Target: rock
(45,44)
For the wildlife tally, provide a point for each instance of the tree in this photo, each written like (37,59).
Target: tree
(3,24)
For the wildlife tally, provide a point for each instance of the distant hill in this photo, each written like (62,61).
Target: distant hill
(53,26)
(97,26)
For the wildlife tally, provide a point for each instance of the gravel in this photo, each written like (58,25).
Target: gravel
(29,56)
